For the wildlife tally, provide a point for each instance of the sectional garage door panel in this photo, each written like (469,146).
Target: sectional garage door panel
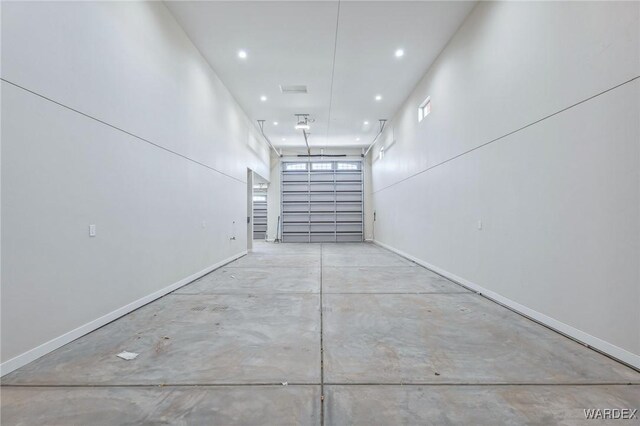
(322,201)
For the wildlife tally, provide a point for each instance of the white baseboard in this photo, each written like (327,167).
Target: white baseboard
(596,343)
(35,353)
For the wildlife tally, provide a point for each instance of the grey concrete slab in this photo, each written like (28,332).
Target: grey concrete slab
(261,247)
(392,279)
(450,338)
(382,259)
(341,248)
(276,260)
(474,405)
(258,328)
(256,280)
(245,405)
(218,339)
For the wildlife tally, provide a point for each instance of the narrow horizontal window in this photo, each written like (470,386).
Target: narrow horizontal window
(259,198)
(321,166)
(347,166)
(424,109)
(295,166)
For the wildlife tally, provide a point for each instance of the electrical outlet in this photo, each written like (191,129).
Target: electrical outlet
(92,230)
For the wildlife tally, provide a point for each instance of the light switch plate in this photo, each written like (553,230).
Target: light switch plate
(92,230)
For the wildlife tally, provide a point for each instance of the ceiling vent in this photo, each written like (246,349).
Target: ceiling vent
(295,89)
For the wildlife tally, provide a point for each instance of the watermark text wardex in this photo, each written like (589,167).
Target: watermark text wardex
(610,414)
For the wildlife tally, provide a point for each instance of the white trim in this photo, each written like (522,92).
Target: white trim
(35,353)
(596,343)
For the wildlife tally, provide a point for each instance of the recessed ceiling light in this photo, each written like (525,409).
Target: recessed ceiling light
(275,123)
(366,123)
(357,139)
(399,53)
(263,98)
(378,97)
(242,54)
(284,139)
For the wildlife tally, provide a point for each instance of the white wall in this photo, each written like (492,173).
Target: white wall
(155,155)
(559,200)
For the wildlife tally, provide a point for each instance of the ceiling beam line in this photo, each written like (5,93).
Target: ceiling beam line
(333,70)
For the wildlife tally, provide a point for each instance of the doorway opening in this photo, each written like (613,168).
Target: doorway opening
(260,187)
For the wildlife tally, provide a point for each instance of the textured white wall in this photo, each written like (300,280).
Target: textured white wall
(162,174)
(559,200)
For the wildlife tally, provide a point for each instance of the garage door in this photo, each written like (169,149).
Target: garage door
(322,201)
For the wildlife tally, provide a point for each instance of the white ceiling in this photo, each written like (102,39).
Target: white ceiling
(295,43)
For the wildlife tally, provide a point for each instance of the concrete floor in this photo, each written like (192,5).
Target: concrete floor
(395,344)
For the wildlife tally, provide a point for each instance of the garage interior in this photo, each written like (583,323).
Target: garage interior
(320,212)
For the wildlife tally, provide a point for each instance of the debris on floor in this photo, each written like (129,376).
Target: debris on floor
(166,337)
(127,356)
(436,373)
(285,383)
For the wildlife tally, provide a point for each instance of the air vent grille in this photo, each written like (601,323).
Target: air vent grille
(295,89)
